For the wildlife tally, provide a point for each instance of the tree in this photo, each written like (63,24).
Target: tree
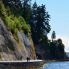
(61,52)
(26,9)
(57,50)
(53,36)
(40,27)
(53,47)
(33,21)
(14,5)
(40,22)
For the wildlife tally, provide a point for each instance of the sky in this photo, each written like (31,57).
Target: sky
(59,13)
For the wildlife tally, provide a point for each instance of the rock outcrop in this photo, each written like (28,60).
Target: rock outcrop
(10,49)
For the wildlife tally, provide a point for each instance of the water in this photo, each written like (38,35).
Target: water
(56,65)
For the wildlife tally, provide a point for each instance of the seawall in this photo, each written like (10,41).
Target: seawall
(21,64)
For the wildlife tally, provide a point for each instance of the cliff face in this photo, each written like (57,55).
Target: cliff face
(10,49)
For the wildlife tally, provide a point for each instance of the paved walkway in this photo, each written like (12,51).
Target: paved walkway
(32,64)
(22,61)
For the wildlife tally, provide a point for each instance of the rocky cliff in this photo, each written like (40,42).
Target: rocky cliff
(10,49)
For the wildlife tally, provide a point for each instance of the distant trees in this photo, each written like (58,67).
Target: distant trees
(61,52)
(53,36)
(57,48)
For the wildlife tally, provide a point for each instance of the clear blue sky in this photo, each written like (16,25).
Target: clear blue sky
(59,12)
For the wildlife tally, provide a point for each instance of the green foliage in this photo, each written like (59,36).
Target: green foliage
(39,22)
(13,23)
(24,25)
(26,9)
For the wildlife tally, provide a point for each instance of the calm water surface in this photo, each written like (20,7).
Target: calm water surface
(56,65)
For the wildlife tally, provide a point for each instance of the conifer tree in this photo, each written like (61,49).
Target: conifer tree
(53,36)
(40,22)
(26,9)
(33,21)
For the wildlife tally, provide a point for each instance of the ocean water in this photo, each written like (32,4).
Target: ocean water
(56,65)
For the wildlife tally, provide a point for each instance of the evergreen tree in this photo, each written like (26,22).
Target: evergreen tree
(61,52)
(57,50)
(53,49)
(40,20)
(53,36)
(33,21)
(26,9)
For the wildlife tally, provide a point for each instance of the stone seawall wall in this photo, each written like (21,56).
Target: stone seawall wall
(21,65)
